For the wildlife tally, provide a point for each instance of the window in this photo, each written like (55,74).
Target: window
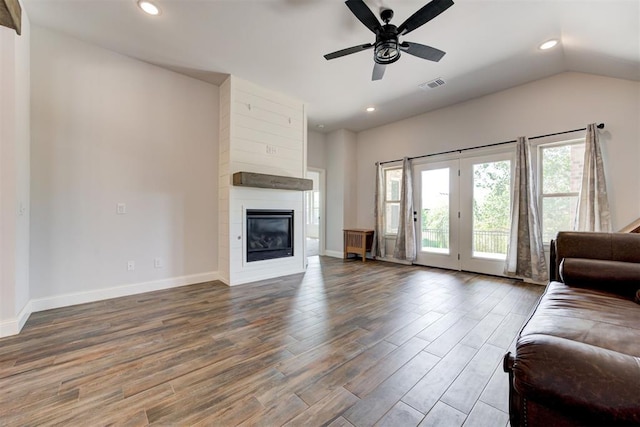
(560,171)
(392,188)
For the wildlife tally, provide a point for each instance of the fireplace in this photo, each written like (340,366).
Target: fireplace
(269,234)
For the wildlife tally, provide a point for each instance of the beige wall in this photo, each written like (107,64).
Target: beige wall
(14,177)
(561,102)
(341,191)
(316,150)
(109,129)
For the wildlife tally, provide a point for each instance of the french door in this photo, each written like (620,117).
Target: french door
(463,212)
(436,203)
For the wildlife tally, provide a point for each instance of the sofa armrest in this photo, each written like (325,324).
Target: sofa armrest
(622,278)
(587,382)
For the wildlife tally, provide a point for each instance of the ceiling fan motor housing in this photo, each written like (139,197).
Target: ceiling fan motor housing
(386,50)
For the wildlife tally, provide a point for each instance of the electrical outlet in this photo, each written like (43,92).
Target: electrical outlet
(121,208)
(131,265)
(157,262)
(271,149)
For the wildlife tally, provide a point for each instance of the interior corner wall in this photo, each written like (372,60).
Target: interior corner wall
(316,150)
(341,168)
(108,129)
(562,102)
(14,177)
(23,140)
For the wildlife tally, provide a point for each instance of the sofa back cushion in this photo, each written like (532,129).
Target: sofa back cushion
(623,247)
(622,278)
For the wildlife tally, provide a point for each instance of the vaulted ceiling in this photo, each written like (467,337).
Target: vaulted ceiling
(491,45)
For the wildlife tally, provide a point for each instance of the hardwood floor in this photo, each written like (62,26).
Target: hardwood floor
(346,343)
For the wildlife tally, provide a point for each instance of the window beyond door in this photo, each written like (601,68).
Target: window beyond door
(560,169)
(392,189)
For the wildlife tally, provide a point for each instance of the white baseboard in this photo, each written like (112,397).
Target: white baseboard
(334,254)
(14,326)
(75,298)
(339,254)
(394,260)
(9,327)
(533,282)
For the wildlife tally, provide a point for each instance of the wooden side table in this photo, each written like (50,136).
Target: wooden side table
(358,241)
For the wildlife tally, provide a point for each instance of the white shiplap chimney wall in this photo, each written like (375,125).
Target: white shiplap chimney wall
(265,132)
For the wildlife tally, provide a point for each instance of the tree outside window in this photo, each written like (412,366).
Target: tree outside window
(392,191)
(560,169)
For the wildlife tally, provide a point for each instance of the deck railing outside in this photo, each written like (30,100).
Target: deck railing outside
(483,241)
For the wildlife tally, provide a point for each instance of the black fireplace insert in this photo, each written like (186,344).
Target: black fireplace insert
(269,234)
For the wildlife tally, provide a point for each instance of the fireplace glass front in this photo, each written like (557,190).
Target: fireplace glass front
(269,234)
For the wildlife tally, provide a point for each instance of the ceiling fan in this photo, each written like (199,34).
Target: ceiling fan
(387,48)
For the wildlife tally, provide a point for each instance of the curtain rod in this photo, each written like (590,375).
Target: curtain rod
(600,126)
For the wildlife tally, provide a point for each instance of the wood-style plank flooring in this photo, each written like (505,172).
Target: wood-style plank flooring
(346,343)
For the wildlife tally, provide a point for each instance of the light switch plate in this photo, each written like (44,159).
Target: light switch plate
(121,208)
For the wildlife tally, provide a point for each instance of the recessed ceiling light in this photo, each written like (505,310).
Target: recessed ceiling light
(371,109)
(320,126)
(148,7)
(548,44)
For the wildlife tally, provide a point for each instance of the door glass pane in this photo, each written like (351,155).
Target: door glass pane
(435,211)
(491,205)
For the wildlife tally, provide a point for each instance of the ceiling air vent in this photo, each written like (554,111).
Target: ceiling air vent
(433,84)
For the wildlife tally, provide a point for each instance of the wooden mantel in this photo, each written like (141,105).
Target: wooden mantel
(275,182)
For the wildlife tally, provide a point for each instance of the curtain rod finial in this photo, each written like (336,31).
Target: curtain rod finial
(600,126)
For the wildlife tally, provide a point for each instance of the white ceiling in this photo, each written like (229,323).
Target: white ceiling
(491,45)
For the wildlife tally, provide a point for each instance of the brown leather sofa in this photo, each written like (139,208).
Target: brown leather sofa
(577,358)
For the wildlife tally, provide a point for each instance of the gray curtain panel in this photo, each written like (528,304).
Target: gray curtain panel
(525,254)
(406,239)
(378,247)
(593,204)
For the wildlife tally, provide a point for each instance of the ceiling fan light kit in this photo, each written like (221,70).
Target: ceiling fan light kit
(387,48)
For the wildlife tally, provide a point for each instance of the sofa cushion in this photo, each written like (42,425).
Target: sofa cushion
(622,278)
(586,382)
(588,316)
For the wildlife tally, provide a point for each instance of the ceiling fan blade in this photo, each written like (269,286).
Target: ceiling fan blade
(424,15)
(422,51)
(378,71)
(364,14)
(348,51)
